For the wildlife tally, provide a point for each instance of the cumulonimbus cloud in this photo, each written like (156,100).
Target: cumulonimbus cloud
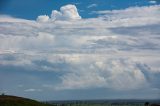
(79,49)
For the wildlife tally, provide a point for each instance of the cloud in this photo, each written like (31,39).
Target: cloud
(41,40)
(92,5)
(153,2)
(32,90)
(117,50)
(43,18)
(67,12)
(115,73)
(126,14)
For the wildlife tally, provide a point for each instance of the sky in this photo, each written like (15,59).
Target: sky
(80,49)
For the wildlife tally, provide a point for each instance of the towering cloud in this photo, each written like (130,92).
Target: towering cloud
(67,12)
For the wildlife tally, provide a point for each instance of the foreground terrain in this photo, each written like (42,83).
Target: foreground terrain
(6,100)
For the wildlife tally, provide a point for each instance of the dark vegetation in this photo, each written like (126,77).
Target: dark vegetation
(6,100)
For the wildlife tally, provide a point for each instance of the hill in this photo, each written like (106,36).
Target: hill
(6,100)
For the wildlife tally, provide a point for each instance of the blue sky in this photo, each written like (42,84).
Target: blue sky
(80,49)
(30,9)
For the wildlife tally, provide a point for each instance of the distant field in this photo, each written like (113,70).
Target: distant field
(104,102)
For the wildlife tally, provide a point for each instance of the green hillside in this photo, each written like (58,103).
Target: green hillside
(6,100)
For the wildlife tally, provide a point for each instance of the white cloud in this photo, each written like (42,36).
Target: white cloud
(40,41)
(43,18)
(114,50)
(152,2)
(92,5)
(115,73)
(67,12)
(126,17)
(33,90)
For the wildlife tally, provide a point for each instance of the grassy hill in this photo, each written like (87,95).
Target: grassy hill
(6,100)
